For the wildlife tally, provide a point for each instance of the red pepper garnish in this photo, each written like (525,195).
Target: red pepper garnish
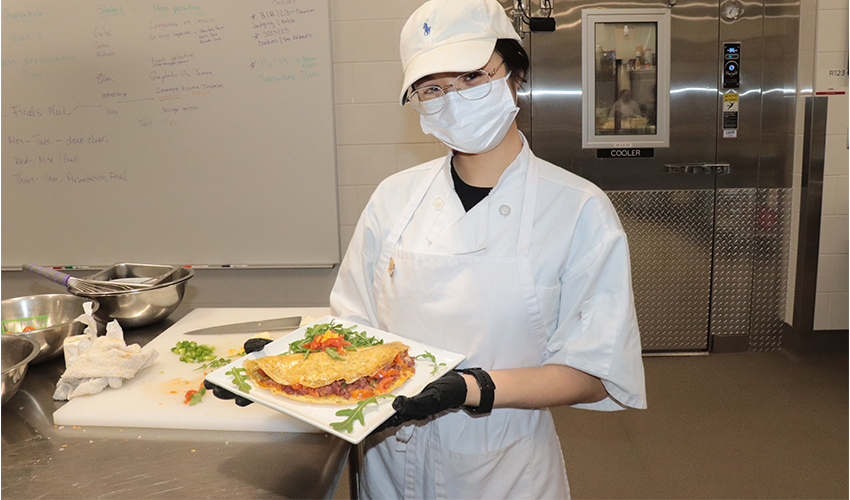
(386,373)
(362,393)
(188,396)
(320,342)
(384,384)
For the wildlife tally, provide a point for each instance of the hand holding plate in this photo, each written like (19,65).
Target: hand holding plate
(445,393)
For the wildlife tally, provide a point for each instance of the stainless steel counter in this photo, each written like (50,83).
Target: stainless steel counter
(41,460)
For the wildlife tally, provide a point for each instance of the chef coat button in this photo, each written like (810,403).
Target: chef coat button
(505,210)
(438,203)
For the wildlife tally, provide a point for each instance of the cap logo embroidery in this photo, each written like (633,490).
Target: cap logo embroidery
(426,28)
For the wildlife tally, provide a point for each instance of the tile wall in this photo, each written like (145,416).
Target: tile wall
(831,312)
(822,71)
(375,136)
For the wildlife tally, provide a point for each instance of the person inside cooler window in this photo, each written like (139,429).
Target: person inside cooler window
(625,106)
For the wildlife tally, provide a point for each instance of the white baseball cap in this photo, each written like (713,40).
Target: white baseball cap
(451,36)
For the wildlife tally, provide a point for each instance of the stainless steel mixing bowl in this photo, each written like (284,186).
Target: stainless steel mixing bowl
(17,353)
(59,312)
(141,307)
(152,273)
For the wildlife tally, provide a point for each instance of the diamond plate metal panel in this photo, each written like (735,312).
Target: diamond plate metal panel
(751,252)
(772,241)
(708,264)
(732,287)
(670,241)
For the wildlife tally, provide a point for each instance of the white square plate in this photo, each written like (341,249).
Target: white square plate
(322,415)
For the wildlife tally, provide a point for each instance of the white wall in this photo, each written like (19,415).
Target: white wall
(375,136)
(823,54)
(831,300)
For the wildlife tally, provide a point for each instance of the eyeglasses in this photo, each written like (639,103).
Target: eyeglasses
(471,86)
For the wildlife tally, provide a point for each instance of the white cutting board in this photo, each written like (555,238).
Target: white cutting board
(154,397)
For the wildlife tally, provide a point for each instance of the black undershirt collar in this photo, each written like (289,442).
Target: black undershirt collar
(469,195)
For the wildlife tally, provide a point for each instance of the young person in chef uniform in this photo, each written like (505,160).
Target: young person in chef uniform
(496,254)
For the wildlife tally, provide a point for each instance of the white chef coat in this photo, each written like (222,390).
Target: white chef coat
(581,304)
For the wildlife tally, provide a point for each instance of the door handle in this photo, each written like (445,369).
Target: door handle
(698,168)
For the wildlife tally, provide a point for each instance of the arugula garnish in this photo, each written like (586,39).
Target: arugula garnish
(240,379)
(196,398)
(433,360)
(331,351)
(357,339)
(360,339)
(355,413)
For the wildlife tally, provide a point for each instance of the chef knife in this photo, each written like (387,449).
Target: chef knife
(267,325)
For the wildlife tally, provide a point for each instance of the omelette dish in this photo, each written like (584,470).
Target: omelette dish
(320,378)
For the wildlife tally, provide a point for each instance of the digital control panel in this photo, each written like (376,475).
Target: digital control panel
(731,65)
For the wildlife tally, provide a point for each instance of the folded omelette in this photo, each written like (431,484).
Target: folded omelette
(363,373)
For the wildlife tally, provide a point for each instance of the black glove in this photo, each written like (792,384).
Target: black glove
(445,393)
(251,345)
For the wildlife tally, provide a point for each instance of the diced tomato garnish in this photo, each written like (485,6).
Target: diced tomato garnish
(362,393)
(334,342)
(327,339)
(384,384)
(188,396)
(386,373)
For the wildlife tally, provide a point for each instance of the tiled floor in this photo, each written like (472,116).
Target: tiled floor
(740,425)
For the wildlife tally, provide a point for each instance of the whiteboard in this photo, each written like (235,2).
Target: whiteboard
(179,132)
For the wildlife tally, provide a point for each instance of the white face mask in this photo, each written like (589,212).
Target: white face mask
(473,126)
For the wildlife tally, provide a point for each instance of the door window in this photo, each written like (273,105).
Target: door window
(626,77)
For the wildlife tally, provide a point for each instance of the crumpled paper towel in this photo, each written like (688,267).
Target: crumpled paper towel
(74,345)
(88,319)
(105,361)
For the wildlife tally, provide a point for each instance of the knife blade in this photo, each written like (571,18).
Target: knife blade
(268,325)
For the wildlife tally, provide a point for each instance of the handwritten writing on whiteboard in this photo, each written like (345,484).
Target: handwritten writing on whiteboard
(154,68)
(202,30)
(279,26)
(197,120)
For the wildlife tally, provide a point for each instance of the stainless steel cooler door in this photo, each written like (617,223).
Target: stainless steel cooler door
(692,276)
(556,100)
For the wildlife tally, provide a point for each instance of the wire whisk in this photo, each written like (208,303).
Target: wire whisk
(80,285)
